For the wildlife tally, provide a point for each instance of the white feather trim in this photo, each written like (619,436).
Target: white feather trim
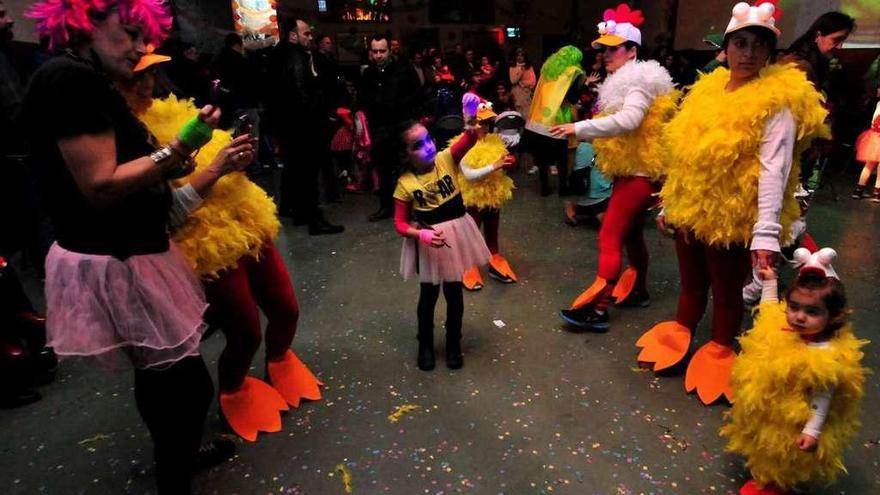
(647,74)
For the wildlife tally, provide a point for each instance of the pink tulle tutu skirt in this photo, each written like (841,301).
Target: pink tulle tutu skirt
(868,146)
(149,307)
(445,264)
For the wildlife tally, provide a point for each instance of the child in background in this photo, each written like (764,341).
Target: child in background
(798,383)
(442,241)
(868,151)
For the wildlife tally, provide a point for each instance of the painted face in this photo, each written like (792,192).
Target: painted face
(420,148)
(119,47)
(747,54)
(829,43)
(616,56)
(379,52)
(806,313)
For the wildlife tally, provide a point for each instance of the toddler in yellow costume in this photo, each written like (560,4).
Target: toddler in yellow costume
(798,383)
(484,188)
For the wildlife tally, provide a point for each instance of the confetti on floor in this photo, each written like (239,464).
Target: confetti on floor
(343,471)
(401,411)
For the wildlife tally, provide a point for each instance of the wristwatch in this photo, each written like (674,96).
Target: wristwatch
(161,154)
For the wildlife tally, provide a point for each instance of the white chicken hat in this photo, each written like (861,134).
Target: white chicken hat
(763,14)
(619,26)
(819,262)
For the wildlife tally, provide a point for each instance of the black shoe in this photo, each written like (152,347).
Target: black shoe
(45,367)
(636,299)
(454,359)
(586,318)
(426,357)
(324,227)
(504,279)
(214,452)
(858,192)
(875,197)
(380,214)
(18,398)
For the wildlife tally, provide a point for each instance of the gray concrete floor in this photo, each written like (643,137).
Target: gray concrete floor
(536,409)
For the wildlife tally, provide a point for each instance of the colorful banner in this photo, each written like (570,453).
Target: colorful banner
(255,19)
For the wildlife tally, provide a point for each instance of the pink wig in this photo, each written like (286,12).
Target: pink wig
(64,21)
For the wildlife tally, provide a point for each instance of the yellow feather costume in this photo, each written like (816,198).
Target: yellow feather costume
(773,380)
(492,190)
(638,152)
(712,148)
(235,219)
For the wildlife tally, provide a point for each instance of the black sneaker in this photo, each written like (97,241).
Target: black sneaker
(504,279)
(380,214)
(636,299)
(586,318)
(214,452)
(858,192)
(324,228)
(875,197)
(18,398)
(454,359)
(426,357)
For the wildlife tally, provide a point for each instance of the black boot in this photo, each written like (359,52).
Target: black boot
(454,359)
(426,347)
(426,356)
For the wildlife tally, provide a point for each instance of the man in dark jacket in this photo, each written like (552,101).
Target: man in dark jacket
(389,95)
(297,115)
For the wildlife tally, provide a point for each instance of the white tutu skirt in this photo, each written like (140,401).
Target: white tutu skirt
(445,264)
(149,307)
(868,146)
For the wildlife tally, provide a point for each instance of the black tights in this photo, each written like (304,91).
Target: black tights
(488,219)
(454,310)
(173,402)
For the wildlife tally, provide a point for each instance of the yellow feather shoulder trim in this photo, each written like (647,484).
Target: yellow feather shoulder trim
(638,152)
(773,380)
(492,190)
(235,219)
(712,147)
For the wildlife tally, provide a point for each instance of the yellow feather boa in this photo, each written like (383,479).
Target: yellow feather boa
(236,218)
(638,152)
(712,147)
(773,380)
(490,191)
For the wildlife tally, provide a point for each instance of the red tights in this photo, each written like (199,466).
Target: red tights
(235,300)
(624,225)
(700,267)
(489,219)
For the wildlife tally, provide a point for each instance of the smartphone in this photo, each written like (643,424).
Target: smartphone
(217,94)
(242,126)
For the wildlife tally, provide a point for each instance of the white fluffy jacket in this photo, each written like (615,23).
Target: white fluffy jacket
(624,99)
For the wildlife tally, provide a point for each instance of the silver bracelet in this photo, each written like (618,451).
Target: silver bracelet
(162,154)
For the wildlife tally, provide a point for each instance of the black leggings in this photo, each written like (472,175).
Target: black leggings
(454,309)
(173,402)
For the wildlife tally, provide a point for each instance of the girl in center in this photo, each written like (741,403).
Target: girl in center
(441,240)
